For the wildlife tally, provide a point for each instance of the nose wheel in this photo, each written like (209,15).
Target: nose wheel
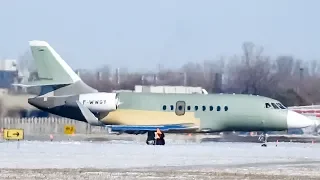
(263,138)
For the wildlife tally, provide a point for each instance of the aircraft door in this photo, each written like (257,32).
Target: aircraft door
(180,108)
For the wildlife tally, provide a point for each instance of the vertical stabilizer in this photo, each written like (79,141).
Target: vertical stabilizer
(55,76)
(50,66)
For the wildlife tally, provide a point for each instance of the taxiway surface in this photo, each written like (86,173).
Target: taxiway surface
(135,160)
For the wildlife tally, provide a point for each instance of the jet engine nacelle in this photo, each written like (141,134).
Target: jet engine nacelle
(100,102)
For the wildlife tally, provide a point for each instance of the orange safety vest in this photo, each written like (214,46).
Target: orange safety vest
(157,134)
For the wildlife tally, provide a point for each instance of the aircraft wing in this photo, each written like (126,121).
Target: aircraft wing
(166,127)
(91,119)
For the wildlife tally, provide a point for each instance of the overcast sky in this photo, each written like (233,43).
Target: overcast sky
(140,34)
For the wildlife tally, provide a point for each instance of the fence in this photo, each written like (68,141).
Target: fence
(50,125)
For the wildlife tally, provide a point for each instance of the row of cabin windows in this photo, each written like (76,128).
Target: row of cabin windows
(196,108)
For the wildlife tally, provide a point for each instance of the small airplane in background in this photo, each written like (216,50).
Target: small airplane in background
(63,93)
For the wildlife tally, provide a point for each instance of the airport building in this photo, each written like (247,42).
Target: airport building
(8,74)
(13,104)
(168,89)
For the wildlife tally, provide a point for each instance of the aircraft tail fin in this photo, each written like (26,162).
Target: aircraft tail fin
(53,73)
(50,66)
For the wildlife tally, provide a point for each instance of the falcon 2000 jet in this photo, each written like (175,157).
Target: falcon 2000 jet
(63,93)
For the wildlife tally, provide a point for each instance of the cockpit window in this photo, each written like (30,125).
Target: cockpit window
(268,105)
(275,106)
(281,106)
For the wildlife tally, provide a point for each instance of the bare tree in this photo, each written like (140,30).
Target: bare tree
(252,74)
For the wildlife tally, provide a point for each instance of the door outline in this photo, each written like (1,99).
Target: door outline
(183,110)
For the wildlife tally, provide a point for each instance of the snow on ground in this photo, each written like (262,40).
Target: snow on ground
(35,154)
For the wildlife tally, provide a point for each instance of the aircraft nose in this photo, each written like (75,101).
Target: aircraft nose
(296,120)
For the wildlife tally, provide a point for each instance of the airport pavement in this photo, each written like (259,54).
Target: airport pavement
(109,137)
(131,160)
(171,138)
(126,174)
(255,138)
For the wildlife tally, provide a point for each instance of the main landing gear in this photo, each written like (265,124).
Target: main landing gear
(263,137)
(155,138)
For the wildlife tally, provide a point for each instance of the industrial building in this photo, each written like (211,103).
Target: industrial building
(169,89)
(11,103)
(8,74)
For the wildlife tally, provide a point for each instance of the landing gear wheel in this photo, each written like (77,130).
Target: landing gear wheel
(150,142)
(150,138)
(264,137)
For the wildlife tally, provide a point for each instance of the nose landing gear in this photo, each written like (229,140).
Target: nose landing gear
(264,138)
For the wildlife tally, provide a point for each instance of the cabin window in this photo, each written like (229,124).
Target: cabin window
(180,108)
(188,108)
(211,108)
(171,106)
(218,108)
(196,108)
(281,106)
(203,108)
(268,105)
(226,108)
(274,106)
(164,107)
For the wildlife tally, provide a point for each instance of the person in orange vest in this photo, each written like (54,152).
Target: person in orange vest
(159,137)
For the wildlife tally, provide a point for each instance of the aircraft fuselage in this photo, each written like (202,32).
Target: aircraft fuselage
(201,113)
(64,93)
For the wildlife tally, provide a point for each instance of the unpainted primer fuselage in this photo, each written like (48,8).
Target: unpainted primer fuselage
(64,93)
(210,113)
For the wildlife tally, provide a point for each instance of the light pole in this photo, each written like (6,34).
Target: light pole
(301,74)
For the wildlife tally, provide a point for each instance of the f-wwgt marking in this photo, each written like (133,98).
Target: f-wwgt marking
(94,101)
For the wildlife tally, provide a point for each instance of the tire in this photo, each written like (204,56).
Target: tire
(150,142)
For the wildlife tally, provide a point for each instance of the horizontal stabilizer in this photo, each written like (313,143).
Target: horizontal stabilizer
(169,127)
(41,83)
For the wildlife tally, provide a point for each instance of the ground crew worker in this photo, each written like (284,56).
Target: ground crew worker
(159,137)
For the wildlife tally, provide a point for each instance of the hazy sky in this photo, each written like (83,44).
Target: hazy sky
(139,34)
